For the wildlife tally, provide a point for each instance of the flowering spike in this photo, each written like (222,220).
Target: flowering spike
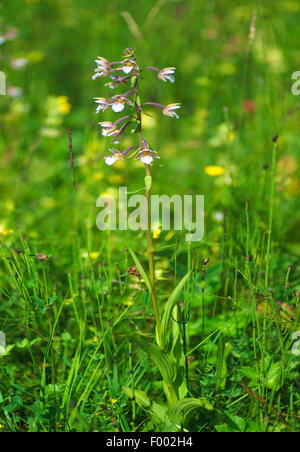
(127,71)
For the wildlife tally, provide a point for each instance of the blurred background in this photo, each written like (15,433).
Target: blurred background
(234,64)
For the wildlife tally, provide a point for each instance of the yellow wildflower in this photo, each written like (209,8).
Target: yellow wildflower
(4,230)
(156,233)
(64,105)
(94,255)
(214,170)
(68,301)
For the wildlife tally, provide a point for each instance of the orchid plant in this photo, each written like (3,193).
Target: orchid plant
(127,72)
(168,354)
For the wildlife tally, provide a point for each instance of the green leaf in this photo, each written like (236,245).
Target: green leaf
(220,360)
(133,81)
(14,405)
(52,300)
(140,396)
(169,306)
(273,377)
(162,361)
(138,101)
(234,424)
(38,300)
(141,270)
(157,410)
(148,182)
(182,410)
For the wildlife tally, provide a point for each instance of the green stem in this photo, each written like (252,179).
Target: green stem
(150,249)
(268,256)
(271,213)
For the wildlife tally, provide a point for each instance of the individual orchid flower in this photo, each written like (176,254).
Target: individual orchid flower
(118,103)
(128,53)
(103,68)
(116,81)
(102,63)
(169,110)
(100,75)
(102,104)
(128,65)
(108,128)
(117,155)
(166,74)
(118,133)
(146,155)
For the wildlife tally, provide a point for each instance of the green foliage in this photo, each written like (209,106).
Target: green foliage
(68,319)
(168,309)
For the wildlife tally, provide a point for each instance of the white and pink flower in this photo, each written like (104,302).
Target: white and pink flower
(118,103)
(167,74)
(108,129)
(111,159)
(102,103)
(146,155)
(116,155)
(169,110)
(128,66)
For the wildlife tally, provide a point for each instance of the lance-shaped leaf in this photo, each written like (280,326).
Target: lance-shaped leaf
(169,306)
(182,410)
(141,270)
(157,410)
(162,361)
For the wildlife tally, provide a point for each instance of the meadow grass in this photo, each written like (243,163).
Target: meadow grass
(76,318)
